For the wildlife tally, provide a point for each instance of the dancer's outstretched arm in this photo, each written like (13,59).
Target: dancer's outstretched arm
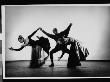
(17,49)
(49,35)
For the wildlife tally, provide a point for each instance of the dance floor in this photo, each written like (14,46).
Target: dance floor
(87,69)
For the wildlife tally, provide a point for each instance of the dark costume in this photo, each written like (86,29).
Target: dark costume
(61,46)
(86,52)
(36,49)
(83,52)
(73,59)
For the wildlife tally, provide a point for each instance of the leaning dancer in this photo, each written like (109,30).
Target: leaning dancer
(35,46)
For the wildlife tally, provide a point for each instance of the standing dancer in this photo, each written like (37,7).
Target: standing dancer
(59,44)
(73,59)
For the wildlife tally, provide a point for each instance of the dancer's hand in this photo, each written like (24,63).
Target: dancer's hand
(70,23)
(40,28)
(11,49)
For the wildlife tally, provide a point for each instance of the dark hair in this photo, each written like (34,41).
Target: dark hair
(20,37)
(55,29)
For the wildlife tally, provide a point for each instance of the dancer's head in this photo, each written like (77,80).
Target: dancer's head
(55,31)
(20,39)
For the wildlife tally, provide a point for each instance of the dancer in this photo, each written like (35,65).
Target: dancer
(58,37)
(73,59)
(38,44)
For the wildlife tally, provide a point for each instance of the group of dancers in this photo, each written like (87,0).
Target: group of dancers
(76,52)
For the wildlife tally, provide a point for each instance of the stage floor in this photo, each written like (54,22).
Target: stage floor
(87,69)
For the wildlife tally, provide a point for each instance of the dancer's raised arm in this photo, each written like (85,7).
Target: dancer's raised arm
(33,33)
(66,31)
(49,35)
